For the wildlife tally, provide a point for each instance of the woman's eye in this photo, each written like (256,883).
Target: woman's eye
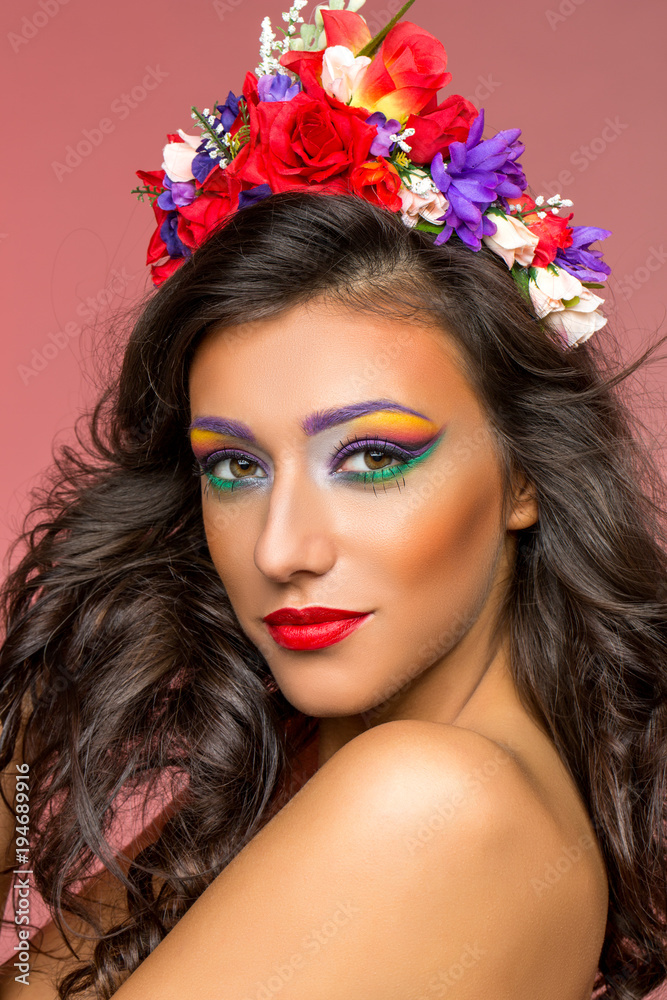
(369,460)
(237,467)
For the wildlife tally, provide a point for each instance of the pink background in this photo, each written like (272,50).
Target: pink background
(584,79)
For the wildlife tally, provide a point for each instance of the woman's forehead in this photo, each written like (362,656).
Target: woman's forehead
(321,341)
(305,372)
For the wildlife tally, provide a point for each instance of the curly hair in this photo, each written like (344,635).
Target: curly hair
(121,632)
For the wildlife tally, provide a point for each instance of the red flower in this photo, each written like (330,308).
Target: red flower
(160,272)
(155,179)
(305,141)
(405,75)
(552,231)
(449,122)
(378,182)
(219,198)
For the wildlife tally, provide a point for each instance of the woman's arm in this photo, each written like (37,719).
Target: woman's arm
(408,854)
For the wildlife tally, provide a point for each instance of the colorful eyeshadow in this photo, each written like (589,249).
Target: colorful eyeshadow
(406,428)
(205,442)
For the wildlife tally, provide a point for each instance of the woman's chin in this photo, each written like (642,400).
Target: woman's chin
(325,698)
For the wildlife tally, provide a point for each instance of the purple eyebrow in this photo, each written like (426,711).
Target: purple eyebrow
(316,422)
(232,427)
(322,419)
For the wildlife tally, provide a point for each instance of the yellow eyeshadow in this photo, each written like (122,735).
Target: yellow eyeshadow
(405,424)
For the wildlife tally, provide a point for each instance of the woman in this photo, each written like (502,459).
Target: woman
(371,565)
(490,726)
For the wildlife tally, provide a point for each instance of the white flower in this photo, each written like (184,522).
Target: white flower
(512,240)
(341,71)
(192,140)
(577,323)
(569,308)
(430,206)
(177,157)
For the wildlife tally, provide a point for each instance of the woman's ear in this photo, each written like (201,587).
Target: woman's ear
(524,510)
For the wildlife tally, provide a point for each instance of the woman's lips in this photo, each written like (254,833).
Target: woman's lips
(314,627)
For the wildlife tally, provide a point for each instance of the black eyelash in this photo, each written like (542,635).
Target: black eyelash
(202,468)
(381,444)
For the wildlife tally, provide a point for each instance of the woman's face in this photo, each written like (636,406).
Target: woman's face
(349,465)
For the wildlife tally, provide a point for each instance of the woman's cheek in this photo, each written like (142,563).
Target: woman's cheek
(229,526)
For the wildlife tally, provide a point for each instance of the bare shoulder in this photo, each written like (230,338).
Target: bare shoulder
(457,812)
(405,864)
(429,772)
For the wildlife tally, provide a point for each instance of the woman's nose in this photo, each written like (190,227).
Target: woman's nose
(295,537)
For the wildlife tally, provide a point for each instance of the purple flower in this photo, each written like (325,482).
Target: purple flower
(277,88)
(579,260)
(202,165)
(178,193)
(168,232)
(479,173)
(228,111)
(382,143)
(254,194)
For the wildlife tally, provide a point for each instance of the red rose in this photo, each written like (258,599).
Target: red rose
(552,231)
(405,74)
(219,198)
(449,122)
(305,141)
(378,182)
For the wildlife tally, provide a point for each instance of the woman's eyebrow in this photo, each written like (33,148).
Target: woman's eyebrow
(322,419)
(220,425)
(313,424)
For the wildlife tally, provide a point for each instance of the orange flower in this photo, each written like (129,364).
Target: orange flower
(405,75)
(377,181)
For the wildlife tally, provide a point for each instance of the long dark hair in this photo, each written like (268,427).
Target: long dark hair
(119,628)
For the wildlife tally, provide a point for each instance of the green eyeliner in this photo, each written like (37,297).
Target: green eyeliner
(390,472)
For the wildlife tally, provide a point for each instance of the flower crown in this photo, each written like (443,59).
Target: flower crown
(333,109)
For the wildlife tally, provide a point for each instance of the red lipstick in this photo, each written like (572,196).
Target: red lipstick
(313,627)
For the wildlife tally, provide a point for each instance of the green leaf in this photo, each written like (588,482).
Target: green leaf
(522,277)
(370,48)
(593,284)
(429,227)
(571,303)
